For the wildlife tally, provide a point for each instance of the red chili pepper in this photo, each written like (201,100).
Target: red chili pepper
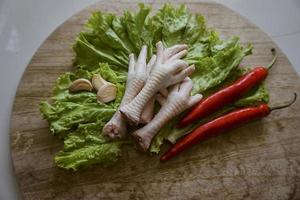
(226,95)
(220,125)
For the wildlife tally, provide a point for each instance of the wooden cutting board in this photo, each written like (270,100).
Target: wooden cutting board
(260,160)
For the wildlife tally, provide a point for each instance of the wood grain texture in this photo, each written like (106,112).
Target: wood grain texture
(260,160)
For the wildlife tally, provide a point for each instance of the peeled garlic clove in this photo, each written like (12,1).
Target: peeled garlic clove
(81,84)
(107,93)
(97,81)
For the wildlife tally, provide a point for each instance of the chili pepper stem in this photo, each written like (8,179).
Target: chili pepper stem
(275,56)
(286,105)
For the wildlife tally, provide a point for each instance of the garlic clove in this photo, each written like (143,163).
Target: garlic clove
(98,81)
(81,84)
(107,93)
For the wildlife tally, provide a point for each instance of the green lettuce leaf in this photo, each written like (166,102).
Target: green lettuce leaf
(78,118)
(106,153)
(195,29)
(213,70)
(93,54)
(136,27)
(174,22)
(67,115)
(86,146)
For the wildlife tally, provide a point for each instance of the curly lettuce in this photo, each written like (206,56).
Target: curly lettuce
(85,146)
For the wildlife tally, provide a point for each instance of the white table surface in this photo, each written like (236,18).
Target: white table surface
(25,24)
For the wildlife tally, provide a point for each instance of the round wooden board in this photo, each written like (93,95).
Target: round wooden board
(260,160)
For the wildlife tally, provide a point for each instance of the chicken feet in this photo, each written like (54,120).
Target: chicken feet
(166,71)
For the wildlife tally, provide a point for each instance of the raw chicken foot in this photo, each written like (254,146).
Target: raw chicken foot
(137,76)
(178,100)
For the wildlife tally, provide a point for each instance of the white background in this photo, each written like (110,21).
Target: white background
(25,24)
